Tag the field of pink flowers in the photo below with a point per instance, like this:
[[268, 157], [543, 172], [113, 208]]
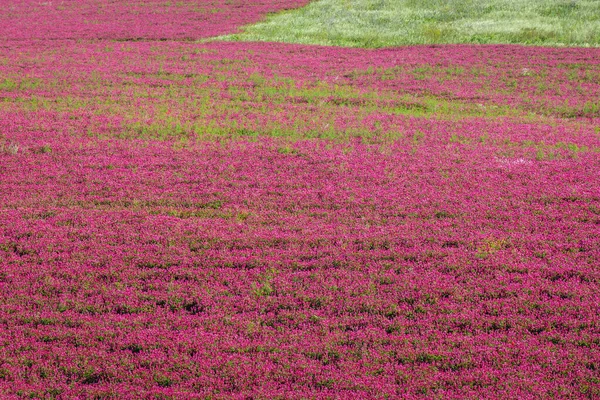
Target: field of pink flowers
[[132, 19], [230, 220]]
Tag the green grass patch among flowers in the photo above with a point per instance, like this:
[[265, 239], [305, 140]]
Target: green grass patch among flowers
[[385, 23]]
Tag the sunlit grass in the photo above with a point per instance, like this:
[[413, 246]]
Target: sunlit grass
[[383, 23]]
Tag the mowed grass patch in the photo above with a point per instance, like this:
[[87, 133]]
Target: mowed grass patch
[[384, 23]]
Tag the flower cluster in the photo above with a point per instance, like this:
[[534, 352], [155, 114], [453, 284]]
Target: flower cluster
[[248, 269]]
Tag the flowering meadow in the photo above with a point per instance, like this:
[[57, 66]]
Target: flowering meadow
[[132, 19], [185, 220]]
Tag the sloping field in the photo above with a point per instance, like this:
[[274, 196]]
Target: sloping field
[[259, 220], [131, 20], [440, 239]]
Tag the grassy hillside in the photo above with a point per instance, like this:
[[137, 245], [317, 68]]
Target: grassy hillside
[[382, 23]]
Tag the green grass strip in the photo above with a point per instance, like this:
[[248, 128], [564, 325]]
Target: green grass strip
[[384, 23]]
